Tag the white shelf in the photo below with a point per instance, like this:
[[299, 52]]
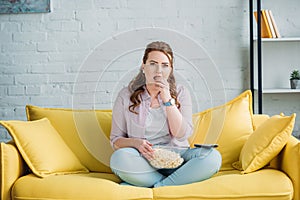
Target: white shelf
[[280, 91], [283, 39]]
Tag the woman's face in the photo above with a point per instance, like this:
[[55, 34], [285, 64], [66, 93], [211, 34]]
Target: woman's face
[[157, 67]]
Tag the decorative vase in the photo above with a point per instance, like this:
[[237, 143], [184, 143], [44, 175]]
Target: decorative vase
[[294, 83]]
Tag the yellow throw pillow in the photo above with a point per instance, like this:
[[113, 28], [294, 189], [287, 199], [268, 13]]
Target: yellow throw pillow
[[42, 148], [86, 132], [259, 119], [266, 142], [228, 125]]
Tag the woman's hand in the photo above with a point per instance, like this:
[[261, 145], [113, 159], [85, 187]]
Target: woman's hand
[[145, 148], [163, 86]]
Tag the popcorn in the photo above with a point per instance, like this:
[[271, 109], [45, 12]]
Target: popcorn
[[163, 158]]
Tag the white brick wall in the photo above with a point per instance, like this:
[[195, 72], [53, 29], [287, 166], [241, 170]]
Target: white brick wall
[[41, 54]]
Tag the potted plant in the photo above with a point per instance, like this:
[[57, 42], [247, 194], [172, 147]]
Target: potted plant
[[294, 78]]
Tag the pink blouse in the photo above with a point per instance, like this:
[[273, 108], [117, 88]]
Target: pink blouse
[[130, 125]]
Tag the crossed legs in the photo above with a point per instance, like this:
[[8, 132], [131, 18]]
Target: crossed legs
[[131, 167]]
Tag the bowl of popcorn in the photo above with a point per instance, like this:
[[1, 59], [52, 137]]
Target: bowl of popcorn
[[165, 157]]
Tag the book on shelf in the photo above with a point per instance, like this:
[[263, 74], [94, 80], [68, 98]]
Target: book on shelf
[[270, 23], [265, 30], [269, 27], [274, 24]]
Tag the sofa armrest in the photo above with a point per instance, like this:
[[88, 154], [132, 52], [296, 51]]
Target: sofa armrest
[[12, 167], [288, 161]]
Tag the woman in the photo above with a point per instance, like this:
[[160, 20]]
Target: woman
[[153, 111]]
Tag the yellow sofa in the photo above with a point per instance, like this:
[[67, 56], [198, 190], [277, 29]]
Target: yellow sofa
[[24, 177]]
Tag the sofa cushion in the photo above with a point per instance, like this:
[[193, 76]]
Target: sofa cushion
[[229, 125], [77, 186], [42, 148], [229, 185], [260, 185], [86, 132], [266, 142]]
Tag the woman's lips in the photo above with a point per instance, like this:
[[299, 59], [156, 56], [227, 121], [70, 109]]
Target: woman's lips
[[157, 78]]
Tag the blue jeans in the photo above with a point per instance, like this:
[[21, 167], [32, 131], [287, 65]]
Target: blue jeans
[[199, 164]]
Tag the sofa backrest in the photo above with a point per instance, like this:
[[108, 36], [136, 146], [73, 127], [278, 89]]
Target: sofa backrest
[[86, 132]]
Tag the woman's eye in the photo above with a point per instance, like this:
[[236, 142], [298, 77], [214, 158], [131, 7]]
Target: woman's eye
[[165, 66]]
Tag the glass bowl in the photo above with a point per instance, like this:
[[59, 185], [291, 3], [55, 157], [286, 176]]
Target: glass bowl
[[166, 157]]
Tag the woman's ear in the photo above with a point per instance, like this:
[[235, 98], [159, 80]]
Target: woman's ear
[[142, 68]]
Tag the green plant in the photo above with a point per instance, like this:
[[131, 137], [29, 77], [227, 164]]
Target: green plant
[[295, 75]]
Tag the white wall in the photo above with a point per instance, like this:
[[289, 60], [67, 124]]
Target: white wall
[[42, 55]]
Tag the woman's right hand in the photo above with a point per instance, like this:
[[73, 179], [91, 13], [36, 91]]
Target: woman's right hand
[[145, 148]]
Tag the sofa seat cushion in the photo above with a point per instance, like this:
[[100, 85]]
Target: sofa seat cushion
[[228, 185], [263, 184], [76, 186]]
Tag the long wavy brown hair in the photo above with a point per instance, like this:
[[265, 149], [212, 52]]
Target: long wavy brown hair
[[136, 85]]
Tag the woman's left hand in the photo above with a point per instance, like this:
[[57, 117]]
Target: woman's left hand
[[163, 86]]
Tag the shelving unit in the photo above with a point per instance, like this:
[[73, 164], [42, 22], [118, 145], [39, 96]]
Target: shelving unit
[[271, 61]]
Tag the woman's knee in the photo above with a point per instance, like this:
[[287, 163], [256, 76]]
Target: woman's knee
[[210, 165], [214, 159], [131, 167], [129, 160], [124, 153], [122, 157]]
